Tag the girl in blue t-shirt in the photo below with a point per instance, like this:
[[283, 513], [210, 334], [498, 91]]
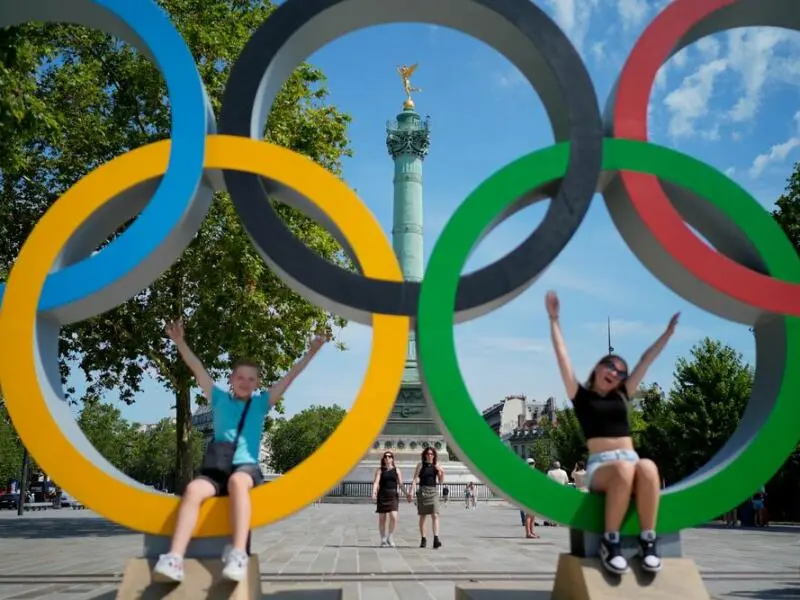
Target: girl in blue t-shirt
[[228, 409]]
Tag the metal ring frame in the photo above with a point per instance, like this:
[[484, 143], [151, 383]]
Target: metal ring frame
[[752, 277]]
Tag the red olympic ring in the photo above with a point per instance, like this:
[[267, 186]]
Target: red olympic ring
[[652, 50]]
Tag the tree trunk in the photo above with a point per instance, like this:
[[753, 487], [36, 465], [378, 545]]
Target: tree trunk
[[183, 428]]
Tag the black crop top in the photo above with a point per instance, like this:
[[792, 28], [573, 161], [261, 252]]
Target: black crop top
[[387, 484], [427, 475], [601, 416]]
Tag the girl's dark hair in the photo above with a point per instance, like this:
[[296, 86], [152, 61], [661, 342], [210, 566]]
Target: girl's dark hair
[[581, 465], [605, 359], [244, 362], [429, 449], [383, 460]]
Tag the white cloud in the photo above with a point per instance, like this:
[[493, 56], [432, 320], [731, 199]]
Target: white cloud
[[778, 152], [709, 47], [632, 12], [690, 101], [509, 78], [598, 51], [574, 17], [749, 53]]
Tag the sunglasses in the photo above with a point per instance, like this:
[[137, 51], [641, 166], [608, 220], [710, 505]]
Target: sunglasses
[[611, 366], [388, 456]]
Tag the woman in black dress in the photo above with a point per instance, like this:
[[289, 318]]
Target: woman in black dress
[[428, 473], [385, 490]]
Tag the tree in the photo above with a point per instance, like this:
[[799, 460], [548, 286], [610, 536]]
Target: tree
[[541, 453], [295, 439], [10, 448], [98, 98], [110, 434], [709, 393], [567, 438], [154, 454], [787, 211], [784, 488], [652, 437]]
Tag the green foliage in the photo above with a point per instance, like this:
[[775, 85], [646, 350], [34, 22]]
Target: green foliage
[[294, 440], [787, 208], [146, 453], [786, 483], [569, 445], [652, 438], [10, 448], [540, 452], [709, 393], [73, 99]]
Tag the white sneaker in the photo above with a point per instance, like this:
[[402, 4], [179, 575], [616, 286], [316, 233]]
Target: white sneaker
[[390, 541], [384, 542], [169, 567], [235, 565]]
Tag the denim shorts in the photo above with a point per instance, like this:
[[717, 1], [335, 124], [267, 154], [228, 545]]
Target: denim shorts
[[601, 458]]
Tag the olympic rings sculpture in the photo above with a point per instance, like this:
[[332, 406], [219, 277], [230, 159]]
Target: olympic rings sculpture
[[753, 277]]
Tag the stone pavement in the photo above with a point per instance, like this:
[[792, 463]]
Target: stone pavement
[[75, 555]]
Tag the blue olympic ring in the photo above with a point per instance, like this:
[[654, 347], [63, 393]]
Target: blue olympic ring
[[112, 271]]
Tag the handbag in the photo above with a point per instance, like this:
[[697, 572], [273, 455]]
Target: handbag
[[219, 455]]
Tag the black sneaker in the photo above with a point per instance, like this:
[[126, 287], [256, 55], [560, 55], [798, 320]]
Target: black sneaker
[[423, 542], [611, 557], [437, 543], [651, 561]]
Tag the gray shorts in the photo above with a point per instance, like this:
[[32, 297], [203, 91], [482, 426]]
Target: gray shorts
[[220, 481], [601, 458]]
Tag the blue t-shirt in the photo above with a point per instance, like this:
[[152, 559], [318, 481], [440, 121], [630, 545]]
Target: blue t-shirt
[[227, 411]]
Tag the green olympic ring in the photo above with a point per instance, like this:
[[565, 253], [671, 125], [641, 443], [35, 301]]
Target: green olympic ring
[[479, 446]]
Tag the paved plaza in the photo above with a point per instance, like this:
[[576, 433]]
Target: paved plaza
[[75, 555]]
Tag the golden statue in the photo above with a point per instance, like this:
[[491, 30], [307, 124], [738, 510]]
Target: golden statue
[[405, 74]]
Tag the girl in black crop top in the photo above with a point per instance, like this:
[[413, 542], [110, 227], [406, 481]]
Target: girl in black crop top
[[614, 468]]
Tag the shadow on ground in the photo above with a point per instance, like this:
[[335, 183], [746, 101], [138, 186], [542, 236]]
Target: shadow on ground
[[59, 528], [320, 594], [792, 590], [770, 529]]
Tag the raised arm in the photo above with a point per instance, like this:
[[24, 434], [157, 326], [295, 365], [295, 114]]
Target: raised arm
[[176, 334], [560, 347], [279, 388], [440, 473], [636, 377]]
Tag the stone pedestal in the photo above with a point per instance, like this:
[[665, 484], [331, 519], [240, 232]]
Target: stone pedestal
[[580, 576], [585, 579], [203, 581]]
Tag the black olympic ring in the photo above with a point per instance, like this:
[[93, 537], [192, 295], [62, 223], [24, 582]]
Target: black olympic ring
[[521, 32]]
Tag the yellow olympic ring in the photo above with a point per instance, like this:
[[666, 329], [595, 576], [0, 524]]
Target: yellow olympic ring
[[121, 500]]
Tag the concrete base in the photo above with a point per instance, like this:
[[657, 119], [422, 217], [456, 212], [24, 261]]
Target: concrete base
[[203, 581], [585, 579]]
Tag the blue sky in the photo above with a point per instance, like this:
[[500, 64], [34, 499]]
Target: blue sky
[[730, 100]]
